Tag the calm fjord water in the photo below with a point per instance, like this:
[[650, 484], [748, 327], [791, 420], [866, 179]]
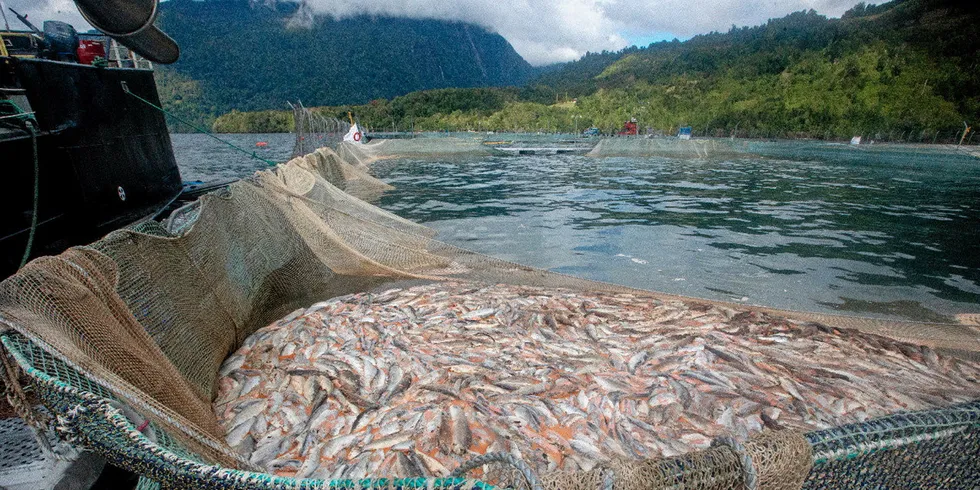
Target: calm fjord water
[[200, 157], [855, 237]]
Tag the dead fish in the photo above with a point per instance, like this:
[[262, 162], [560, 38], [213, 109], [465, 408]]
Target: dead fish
[[586, 448], [250, 383], [409, 466], [769, 416], [409, 382], [238, 434], [266, 449], [479, 314], [285, 464], [433, 465], [445, 390], [397, 383], [387, 442], [333, 446], [311, 463], [231, 364], [445, 436], [462, 438], [791, 389]]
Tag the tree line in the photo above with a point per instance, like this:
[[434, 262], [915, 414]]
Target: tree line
[[906, 70]]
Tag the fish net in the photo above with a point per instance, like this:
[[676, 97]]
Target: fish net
[[802, 150], [666, 147], [314, 130], [123, 340], [422, 146]]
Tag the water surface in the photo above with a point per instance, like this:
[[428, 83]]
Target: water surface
[[869, 237], [200, 157], [832, 231]]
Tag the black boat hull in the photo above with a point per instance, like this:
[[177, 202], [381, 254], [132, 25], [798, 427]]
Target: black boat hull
[[105, 158]]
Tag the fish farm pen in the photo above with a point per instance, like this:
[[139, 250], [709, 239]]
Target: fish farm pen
[[286, 333]]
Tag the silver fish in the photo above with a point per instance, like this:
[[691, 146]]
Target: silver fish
[[411, 382]]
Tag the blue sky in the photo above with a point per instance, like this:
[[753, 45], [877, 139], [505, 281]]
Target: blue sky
[[643, 40]]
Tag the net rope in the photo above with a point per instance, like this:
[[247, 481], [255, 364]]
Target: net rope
[[889, 153]]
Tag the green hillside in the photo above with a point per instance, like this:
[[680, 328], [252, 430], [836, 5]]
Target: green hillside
[[899, 67], [905, 70], [242, 57]]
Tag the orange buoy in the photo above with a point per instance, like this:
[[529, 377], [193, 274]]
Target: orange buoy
[[262, 144]]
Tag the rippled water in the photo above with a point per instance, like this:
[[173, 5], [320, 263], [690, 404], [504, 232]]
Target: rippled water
[[858, 236], [201, 157], [861, 237]]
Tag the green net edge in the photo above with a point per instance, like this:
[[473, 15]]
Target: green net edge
[[87, 418], [90, 420]]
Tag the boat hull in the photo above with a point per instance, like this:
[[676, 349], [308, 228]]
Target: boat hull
[[105, 158]]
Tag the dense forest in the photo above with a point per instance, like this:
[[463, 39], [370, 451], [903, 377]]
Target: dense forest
[[907, 69], [241, 55]]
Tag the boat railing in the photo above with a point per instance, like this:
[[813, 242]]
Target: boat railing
[[18, 44], [25, 45], [122, 57]]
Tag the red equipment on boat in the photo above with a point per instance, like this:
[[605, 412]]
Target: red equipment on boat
[[89, 49]]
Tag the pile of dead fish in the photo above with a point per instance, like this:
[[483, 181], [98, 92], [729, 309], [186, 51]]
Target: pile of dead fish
[[413, 382]]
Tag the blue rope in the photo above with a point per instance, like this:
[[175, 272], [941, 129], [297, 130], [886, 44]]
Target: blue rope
[[37, 181]]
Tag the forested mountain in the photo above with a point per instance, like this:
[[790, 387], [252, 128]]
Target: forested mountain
[[903, 65], [907, 69], [246, 55]]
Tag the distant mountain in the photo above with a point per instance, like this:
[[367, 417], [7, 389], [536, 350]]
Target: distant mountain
[[906, 70], [885, 52], [256, 55]]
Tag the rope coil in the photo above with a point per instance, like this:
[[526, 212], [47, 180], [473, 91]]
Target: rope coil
[[66, 424], [17, 398], [750, 474], [520, 465]]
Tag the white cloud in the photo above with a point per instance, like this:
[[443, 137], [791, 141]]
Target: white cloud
[[685, 18], [38, 11], [544, 31]]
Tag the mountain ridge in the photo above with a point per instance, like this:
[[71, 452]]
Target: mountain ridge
[[326, 62], [906, 70]]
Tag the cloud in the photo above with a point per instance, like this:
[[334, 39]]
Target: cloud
[[38, 11], [686, 18], [548, 31], [544, 31]]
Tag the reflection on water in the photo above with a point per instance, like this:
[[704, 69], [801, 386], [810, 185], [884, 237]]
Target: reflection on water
[[862, 237]]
